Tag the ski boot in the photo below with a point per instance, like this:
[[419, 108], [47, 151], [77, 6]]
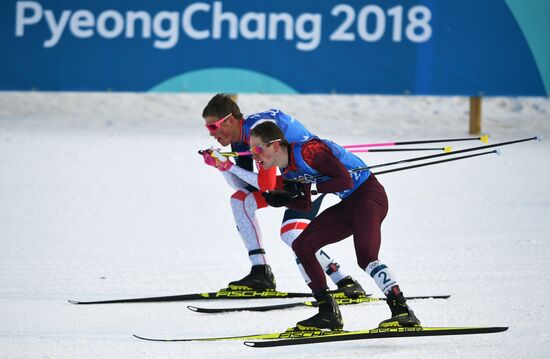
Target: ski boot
[[259, 278], [402, 315], [348, 288], [329, 316]]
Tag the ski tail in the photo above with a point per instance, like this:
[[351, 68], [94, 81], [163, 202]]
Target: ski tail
[[264, 336], [242, 337]]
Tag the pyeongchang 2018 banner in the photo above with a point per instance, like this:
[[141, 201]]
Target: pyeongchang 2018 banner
[[422, 47]]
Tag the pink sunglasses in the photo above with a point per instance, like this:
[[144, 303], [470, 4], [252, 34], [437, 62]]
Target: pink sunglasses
[[256, 150], [214, 126]]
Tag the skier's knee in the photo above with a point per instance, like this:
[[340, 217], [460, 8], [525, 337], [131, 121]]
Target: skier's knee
[[297, 247], [239, 195], [302, 246], [257, 199], [291, 229]]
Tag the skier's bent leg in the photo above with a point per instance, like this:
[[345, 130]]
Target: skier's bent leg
[[244, 205], [294, 222]]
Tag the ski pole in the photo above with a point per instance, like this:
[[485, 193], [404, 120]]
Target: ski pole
[[497, 151], [484, 139], [360, 150], [538, 137]]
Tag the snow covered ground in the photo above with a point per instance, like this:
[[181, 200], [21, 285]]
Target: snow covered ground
[[104, 196]]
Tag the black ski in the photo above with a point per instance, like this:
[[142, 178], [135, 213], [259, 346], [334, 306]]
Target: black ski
[[294, 336], [221, 294], [266, 308], [264, 336], [302, 337]]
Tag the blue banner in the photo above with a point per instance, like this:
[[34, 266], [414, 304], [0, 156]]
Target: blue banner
[[421, 47]]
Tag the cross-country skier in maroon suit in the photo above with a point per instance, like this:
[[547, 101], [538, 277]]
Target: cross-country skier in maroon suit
[[325, 168]]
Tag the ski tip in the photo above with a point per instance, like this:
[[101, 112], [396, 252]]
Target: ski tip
[[74, 301], [192, 308], [250, 344], [140, 337], [484, 139], [448, 149], [503, 329], [538, 138], [150, 339]]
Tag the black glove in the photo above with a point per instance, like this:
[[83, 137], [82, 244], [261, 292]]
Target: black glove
[[295, 189], [277, 198]]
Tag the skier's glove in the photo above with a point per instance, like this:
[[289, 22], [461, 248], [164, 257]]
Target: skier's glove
[[277, 198], [282, 198], [212, 157], [207, 157], [295, 189]]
